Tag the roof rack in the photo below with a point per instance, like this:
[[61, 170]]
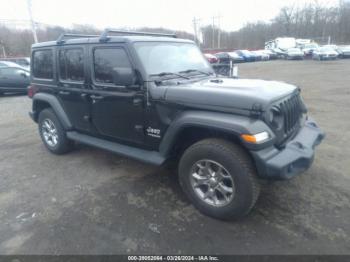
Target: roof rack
[[104, 36], [63, 37]]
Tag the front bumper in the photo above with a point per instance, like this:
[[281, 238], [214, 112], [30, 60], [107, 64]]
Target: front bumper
[[296, 157]]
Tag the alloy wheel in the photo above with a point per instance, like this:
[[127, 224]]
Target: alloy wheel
[[212, 183]]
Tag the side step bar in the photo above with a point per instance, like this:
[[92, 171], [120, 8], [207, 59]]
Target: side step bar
[[151, 157]]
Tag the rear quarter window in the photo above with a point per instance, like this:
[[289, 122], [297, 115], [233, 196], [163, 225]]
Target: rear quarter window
[[43, 64]]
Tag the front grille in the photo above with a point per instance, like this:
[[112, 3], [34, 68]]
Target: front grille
[[291, 109]]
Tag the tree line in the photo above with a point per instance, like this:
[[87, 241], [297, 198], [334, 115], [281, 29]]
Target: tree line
[[312, 21]]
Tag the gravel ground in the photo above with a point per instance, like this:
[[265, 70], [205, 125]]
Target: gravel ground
[[95, 202]]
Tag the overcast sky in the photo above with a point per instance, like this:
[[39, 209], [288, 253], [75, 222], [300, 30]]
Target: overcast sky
[[173, 14]]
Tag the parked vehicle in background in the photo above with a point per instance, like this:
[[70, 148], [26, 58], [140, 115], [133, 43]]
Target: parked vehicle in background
[[211, 58], [309, 48], [226, 57], [325, 53], [301, 42], [294, 54], [247, 55], [14, 79], [236, 57], [272, 54], [344, 51], [279, 52], [10, 64], [282, 43], [261, 55], [223, 66], [21, 61], [225, 133]]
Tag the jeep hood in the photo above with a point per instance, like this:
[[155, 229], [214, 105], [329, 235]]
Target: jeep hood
[[226, 93]]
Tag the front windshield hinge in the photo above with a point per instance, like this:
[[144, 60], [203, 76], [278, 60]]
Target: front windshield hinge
[[147, 94]]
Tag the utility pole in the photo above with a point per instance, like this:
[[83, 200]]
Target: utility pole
[[195, 30], [3, 50], [29, 5], [212, 37], [219, 31]]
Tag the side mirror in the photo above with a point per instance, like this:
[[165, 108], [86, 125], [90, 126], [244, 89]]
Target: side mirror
[[124, 76]]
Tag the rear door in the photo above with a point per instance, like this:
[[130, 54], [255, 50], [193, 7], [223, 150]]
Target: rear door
[[72, 85], [117, 111]]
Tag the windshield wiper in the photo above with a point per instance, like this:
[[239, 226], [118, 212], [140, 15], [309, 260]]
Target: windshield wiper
[[170, 73], [195, 70]]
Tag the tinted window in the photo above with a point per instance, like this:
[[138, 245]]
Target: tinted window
[[43, 64], [106, 61], [71, 64]]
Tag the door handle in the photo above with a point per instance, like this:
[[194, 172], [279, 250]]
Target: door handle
[[137, 101], [96, 97], [64, 93]]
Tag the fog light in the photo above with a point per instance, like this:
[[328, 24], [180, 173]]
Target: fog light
[[257, 138]]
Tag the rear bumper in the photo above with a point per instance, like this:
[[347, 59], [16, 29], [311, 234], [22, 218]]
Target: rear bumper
[[296, 157]]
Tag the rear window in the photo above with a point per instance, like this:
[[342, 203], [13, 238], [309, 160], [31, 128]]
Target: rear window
[[43, 64], [71, 64]]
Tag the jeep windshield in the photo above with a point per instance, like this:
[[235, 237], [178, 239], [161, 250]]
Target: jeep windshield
[[172, 59]]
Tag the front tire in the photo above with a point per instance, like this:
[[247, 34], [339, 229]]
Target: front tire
[[219, 178], [52, 133]]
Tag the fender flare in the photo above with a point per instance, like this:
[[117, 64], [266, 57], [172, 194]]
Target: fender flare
[[56, 107], [228, 123]]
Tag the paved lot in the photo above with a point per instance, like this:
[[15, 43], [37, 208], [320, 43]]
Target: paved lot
[[95, 202]]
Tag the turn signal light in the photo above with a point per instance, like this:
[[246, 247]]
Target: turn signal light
[[257, 138]]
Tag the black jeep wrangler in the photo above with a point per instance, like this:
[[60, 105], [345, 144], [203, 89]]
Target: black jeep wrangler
[[153, 97]]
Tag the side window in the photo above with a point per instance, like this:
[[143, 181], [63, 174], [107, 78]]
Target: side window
[[108, 62], [13, 72], [9, 71], [43, 64], [71, 64]]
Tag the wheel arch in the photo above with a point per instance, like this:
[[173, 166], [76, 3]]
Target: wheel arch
[[193, 126], [42, 101]]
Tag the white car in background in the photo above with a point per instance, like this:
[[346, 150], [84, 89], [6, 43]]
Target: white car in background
[[294, 54], [325, 53], [308, 49]]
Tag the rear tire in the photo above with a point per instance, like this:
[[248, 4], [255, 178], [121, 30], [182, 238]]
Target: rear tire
[[228, 188], [52, 133]]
